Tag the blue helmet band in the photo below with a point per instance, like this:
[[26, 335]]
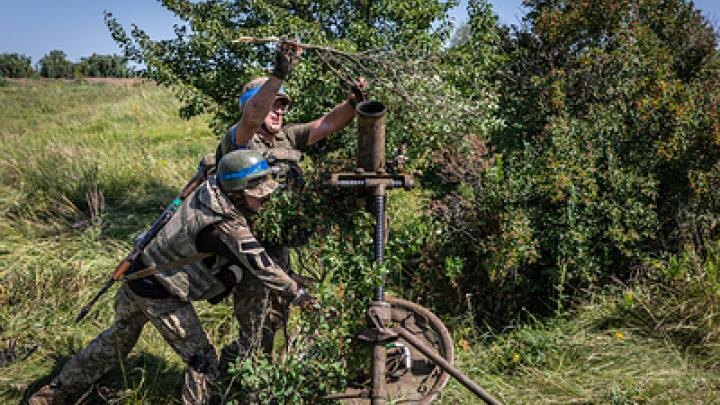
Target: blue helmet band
[[250, 93], [246, 172]]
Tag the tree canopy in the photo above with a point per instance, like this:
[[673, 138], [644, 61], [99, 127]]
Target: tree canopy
[[15, 65], [55, 65], [97, 65]]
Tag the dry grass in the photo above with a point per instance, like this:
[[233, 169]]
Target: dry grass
[[623, 346]]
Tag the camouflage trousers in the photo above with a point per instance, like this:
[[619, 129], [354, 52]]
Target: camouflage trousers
[[178, 324], [260, 312]]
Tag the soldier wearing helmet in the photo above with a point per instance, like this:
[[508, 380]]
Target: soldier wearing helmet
[[202, 253], [263, 104]]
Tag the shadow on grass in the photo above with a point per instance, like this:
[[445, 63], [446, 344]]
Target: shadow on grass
[[60, 360], [142, 377], [123, 218]]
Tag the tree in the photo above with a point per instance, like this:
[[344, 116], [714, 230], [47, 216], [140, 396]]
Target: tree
[[103, 66], [398, 45], [15, 65], [610, 154], [211, 69], [474, 59], [55, 65]]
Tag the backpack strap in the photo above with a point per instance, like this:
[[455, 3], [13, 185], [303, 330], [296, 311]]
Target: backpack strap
[[149, 271]]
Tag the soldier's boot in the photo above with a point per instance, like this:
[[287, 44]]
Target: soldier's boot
[[49, 395], [201, 372]]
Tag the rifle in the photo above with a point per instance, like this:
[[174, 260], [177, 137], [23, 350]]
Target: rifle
[[146, 237]]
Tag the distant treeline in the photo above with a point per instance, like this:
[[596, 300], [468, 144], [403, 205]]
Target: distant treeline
[[56, 65]]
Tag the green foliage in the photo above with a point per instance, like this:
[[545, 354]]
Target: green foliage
[[408, 70], [55, 65], [15, 65], [605, 161], [299, 379], [474, 60], [212, 70], [320, 358], [103, 66]]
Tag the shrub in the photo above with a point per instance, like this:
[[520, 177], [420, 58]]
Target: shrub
[[103, 66], [55, 65], [15, 65], [606, 160]]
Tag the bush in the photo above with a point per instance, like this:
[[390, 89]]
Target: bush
[[103, 66], [55, 65], [15, 65], [606, 161]]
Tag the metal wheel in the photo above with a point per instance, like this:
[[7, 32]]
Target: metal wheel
[[414, 378], [411, 377]]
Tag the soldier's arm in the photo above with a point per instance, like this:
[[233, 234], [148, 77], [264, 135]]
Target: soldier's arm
[[337, 119], [287, 56], [332, 122], [246, 251], [256, 109]]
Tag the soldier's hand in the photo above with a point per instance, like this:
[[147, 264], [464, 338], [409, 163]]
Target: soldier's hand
[[310, 304], [305, 301], [358, 92], [287, 56]]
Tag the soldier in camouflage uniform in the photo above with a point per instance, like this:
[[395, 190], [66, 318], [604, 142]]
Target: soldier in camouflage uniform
[[263, 104], [205, 250]]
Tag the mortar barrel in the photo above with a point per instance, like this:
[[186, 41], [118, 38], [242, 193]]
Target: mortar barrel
[[371, 135]]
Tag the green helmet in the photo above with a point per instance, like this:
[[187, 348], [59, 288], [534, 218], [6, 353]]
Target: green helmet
[[245, 170]]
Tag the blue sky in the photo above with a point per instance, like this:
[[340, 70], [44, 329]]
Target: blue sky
[[35, 27]]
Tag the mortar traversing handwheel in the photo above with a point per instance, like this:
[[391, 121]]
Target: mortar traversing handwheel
[[410, 376]]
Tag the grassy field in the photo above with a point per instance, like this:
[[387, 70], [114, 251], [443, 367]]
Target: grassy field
[[607, 351], [61, 141]]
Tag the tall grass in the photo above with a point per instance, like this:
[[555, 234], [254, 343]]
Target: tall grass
[[656, 341], [58, 142]]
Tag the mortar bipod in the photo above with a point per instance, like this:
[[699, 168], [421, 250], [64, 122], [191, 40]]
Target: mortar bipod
[[398, 328]]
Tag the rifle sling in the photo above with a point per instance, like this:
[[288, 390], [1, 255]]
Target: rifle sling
[[149, 271]]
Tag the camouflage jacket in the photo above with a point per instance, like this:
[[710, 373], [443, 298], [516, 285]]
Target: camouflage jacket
[[208, 206], [284, 152]]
